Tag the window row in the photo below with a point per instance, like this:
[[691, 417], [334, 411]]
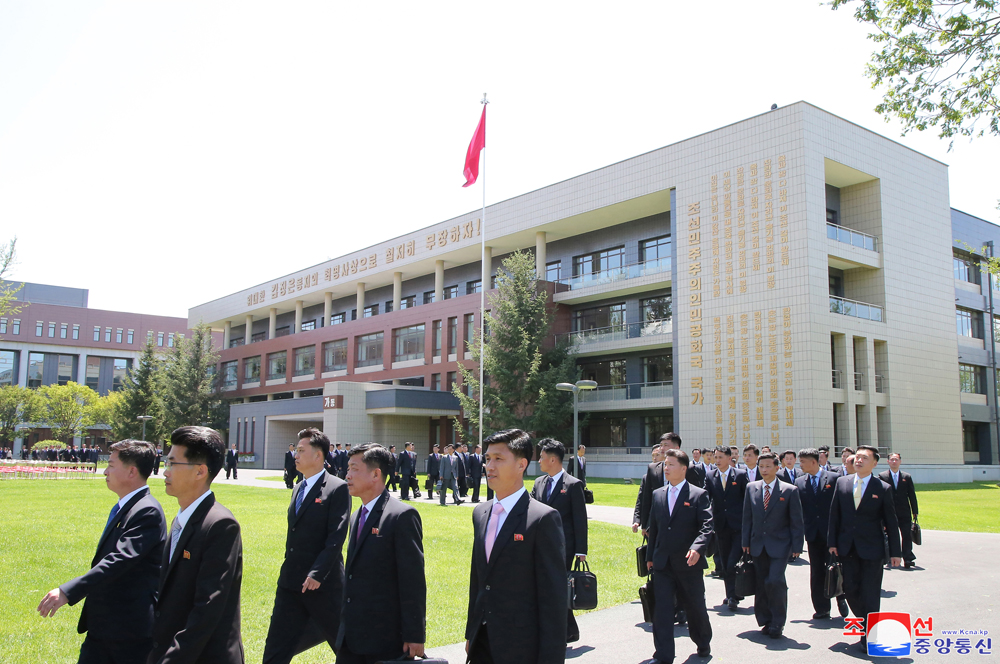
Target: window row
[[72, 331], [55, 368], [613, 315], [612, 258]]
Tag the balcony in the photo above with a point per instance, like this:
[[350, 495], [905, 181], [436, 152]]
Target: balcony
[[848, 249], [855, 309], [623, 280], [853, 238], [859, 381], [838, 382], [627, 397], [631, 336]]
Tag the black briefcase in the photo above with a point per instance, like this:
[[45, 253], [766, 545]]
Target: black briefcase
[[640, 558], [648, 601], [588, 496], [428, 484], [582, 584], [915, 532], [833, 578], [746, 576]]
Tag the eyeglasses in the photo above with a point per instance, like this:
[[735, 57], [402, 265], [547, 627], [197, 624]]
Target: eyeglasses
[[167, 463]]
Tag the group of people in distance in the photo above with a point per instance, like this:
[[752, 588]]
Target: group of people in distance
[[690, 510]]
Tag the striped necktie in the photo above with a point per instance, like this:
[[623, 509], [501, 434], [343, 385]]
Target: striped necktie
[[767, 496]]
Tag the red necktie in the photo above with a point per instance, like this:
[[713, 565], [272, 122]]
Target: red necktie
[[767, 495]]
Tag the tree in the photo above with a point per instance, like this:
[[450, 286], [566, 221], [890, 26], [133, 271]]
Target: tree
[[141, 394], [192, 394], [940, 61], [18, 406], [521, 373], [8, 290], [68, 410]]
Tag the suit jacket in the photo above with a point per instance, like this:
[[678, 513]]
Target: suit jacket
[[330, 464], [816, 505], [727, 503], [904, 495], [777, 530], [197, 612], [385, 596], [636, 513], [459, 466], [315, 537], [786, 477], [406, 465], [521, 592], [690, 526], [124, 573], [290, 462], [654, 480], [579, 467], [863, 527], [232, 458], [567, 499], [476, 467], [433, 465], [448, 467]]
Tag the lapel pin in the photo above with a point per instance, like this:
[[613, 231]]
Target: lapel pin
[[734, 483], [563, 491], [874, 495], [827, 486], [687, 504], [374, 531], [781, 499], [187, 554], [518, 537], [319, 501]]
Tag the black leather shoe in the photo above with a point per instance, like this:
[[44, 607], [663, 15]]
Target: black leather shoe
[[704, 651], [775, 632], [733, 603], [765, 629], [821, 616], [909, 563], [842, 607], [680, 617]]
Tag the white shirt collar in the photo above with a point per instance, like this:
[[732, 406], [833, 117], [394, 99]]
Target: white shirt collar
[[128, 496], [511, 500], [679, 486], [185, 514], [895, 475], [555, 478], [310, 481], [724, 474], [864, 482], [370, 506], [772, 485]]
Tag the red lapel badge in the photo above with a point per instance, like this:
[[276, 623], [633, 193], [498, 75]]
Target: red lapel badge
[[319, 501], [827, 486], [781, 499], [374, 531], [734, 483], [518, 537], [686, 504], [562, 491], [874, 495], [187, 554]]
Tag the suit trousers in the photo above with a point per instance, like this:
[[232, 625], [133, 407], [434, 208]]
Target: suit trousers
[[231, 469], [433, 480], [862, 583], [405, 482], [689, 585], [475, 488], [443, 490], [301, 621], [729, 541], [114, 651], [463, 486], [818, 551], [770, 604], [479, 650], [906, 536]]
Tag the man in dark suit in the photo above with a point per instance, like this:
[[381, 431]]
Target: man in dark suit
[[654, 476], [680, 528], [787, 472], [476, 472], [156, 460], [433, 471], [862, 510], [461, 467], [824, 459], [310, 590], [393, 478], [291, 474], [727, 488], [657, 456], [905, 501], [750, 456], [563, 493], [232, 461], [120, 587], [816, 487], [847, 462], [772, 533], [579, 465], [385, 599], [517, 585], [197, 611], [449, 475], [406, 466]]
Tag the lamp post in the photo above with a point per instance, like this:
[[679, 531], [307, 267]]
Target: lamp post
[[575, 389], [144, 419]]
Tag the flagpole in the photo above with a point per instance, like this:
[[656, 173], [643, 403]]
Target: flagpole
[[482, 294]]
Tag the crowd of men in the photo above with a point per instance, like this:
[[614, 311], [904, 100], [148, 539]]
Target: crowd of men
[[68, 454]]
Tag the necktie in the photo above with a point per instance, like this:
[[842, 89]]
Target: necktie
[[491, 529], [552, 485], [361, 522], [725, 481], [767, 496], [175, 535], [815, 483], [672, 500], [895, 482], [111, 517], [859, 490], [301, 496]]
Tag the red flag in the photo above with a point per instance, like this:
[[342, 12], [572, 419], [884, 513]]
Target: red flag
[[472, 156]]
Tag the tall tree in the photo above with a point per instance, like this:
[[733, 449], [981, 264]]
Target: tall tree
[[68, 410], [192, 395], [939, 60], [18, 406], [142, 393], [8, 289], [521, 367]]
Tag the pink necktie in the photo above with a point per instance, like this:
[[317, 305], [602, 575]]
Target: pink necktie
[[673, 500], [491, 529]]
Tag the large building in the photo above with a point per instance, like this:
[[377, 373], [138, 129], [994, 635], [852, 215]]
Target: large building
[[786, 280]]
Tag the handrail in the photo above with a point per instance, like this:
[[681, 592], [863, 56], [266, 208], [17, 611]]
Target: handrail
[[618, 332], [610, 275], [628, 391], [852, 237], [863, 310], [837, 384]]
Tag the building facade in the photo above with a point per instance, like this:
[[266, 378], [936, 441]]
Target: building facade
[[756, 283]]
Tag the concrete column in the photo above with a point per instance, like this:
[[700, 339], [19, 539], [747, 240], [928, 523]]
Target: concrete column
[[395, 381], [227, 331], [270, 397], [81, 369], [22, 369], [327, 308], [540, 254], [272, 325], [249, 330], [296, 394], [361, 300], [438, 281], [487, 267], [397, 290], [298, 316]]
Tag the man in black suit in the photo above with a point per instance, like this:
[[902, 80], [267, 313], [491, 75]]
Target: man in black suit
[[291, 474], [816, 487], [517, 585], [461, 468], [406, 466], [772, 533], [433, 470], [847, 461], [450, 464], [824, 458], [905, 501], [197, 611], [232, 461], [336, 453], [393, 479], [563, 493], [120, 587], [385, 599], [727, 488], [657, 456], [787, 472], [475, 472], [156, 460], [654, 476], [308, 599], [579, 465], [680, 528], [862, 510], [750, 456]]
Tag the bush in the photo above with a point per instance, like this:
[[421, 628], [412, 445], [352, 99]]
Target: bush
[[50, 443]]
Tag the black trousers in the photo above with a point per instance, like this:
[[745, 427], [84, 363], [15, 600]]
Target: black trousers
[[729, 554], [430, 486], [300, 621], [689, 584], [862, 583], [393, 478], [489, 491], [114, 651], [479, 649], [906, 536], [476, 482], [818, 551], [463, 486], [231, 469], [348, 656], [770, 604], [404, 482]]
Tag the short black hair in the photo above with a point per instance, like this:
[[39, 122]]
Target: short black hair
[[317, 439], [392, 447], [374, 456], [825, 448], [291, 444], [787, 452], [516, 440], [680, 455], [724, 450], [552, 446], [810, 453], [768, 455], [752, 448], [847, 450], [897, 454], [136, 453], [671, 437], [407, 444], [201, 445], [873, 450], [705, 450]]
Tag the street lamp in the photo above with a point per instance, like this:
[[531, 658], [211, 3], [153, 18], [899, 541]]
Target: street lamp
[[575, 389], [144, 419]]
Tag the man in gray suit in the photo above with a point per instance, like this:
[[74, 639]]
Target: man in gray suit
[[772, 528], [449, 476]]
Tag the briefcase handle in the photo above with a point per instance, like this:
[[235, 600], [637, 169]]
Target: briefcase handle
[[580, 565]]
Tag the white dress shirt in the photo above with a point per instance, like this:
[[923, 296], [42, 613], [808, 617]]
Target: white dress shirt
[[310, 481], [508, 504], [895, 479], [553, 480], [128, 496], [677, 493], [184, 516], [864, 483], [752, 474], [771, 486]]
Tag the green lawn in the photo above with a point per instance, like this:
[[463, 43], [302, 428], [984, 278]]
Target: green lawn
[[52, 537]]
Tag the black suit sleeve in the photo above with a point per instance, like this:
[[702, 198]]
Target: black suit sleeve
[[338, 517], [891, 523], [409, 540], [652, 528], [550, 580], [647, 497], [797, 523], [747, 519], [707, 529], [911, 495], [144, 531], [833, 526], [473, 583], [579, 518], [637, 513]]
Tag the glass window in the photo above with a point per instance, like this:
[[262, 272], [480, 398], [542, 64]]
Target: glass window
[[436, 337], [452, 378], [436, 382], [97, 333], [251, 369], [429, 297], [63, 331], [39, 326], [52, 330], [159, 338], [654, 426], [470, 330], [371, 310], [337, 319], [408, 302], [16, 327], [609, 315], [970, 437], [335, 355], [8, 367], [131, 336], [234, 343], [655, 308], [553, 271], [76, 332], [473, 286], [258, 336], [658, 369], [309, 325], [450, 292], [409, 343], [107, 335], [832, 217], [305, 361], [118, 377], [970, 379], [654, 249], [36, 365], [598, 261], [170, 340], [3, 326], [229, 370], [93, 377], [65, 369], [604, 432], [605, 372], [118, 335], [453, 335], [276, 365], [966, 269], [388, 306], [283, 331], [969, 323], [369, 350]]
